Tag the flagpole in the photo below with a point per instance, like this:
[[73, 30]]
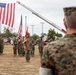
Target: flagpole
[[25, 23], [22, 23], [43, 18]]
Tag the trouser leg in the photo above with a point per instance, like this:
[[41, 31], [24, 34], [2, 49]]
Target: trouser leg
[[1, 49], [20, 51], [23, 52], [33, 51], [41, 51], [15, 51], [27, 55]]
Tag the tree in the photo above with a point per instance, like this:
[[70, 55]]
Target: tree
[[35, 36], [58, 35], [7, 33], [43, 34], [52, 35]]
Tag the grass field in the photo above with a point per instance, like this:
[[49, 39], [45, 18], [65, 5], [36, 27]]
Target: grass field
[[10, 65]]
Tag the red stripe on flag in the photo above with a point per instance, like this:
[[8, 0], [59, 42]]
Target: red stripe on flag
[[13, 15], [0, 13], [3, 16], [7, 14], [26, 35], [10, 14]]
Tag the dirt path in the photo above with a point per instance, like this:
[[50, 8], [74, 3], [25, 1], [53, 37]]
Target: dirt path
[[10, 65]]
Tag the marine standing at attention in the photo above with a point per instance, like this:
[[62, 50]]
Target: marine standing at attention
[[59, 57]]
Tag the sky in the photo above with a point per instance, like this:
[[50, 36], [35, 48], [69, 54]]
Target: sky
[[50, 9]]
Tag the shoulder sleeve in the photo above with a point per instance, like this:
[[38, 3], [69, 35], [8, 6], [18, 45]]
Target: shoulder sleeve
[[47, 61]]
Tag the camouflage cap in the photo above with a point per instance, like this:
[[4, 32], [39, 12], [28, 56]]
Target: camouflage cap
[[68, 10], [70, 16]]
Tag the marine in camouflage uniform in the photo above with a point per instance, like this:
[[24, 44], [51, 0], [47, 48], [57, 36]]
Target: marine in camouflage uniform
[[1, 45], [32, 47], [59, 57], [40, 45], [28, 49], [15, 42], [20, 46]]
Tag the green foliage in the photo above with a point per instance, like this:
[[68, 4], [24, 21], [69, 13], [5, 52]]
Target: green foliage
[[35, 36], [58, 35], [43, 34], [53, 35], [7, 33]]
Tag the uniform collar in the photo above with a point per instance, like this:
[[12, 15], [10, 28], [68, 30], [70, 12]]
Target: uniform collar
[[70, 35]]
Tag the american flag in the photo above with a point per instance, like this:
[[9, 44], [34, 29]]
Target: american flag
[[20, 28], [7, 13]]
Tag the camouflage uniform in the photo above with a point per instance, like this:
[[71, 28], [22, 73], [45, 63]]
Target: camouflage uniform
[[60, 56], [28, 50], [1, 45], [32, 47], [40, 46], [15, 41], [20, 46]]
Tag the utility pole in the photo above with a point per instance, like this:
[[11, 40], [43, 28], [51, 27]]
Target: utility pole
[[32, 29], [25, 23], [42, 26]]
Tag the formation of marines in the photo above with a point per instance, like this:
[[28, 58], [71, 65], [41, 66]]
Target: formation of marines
[[26, 47]]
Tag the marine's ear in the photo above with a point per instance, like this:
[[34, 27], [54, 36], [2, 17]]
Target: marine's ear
[[65, 24]]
